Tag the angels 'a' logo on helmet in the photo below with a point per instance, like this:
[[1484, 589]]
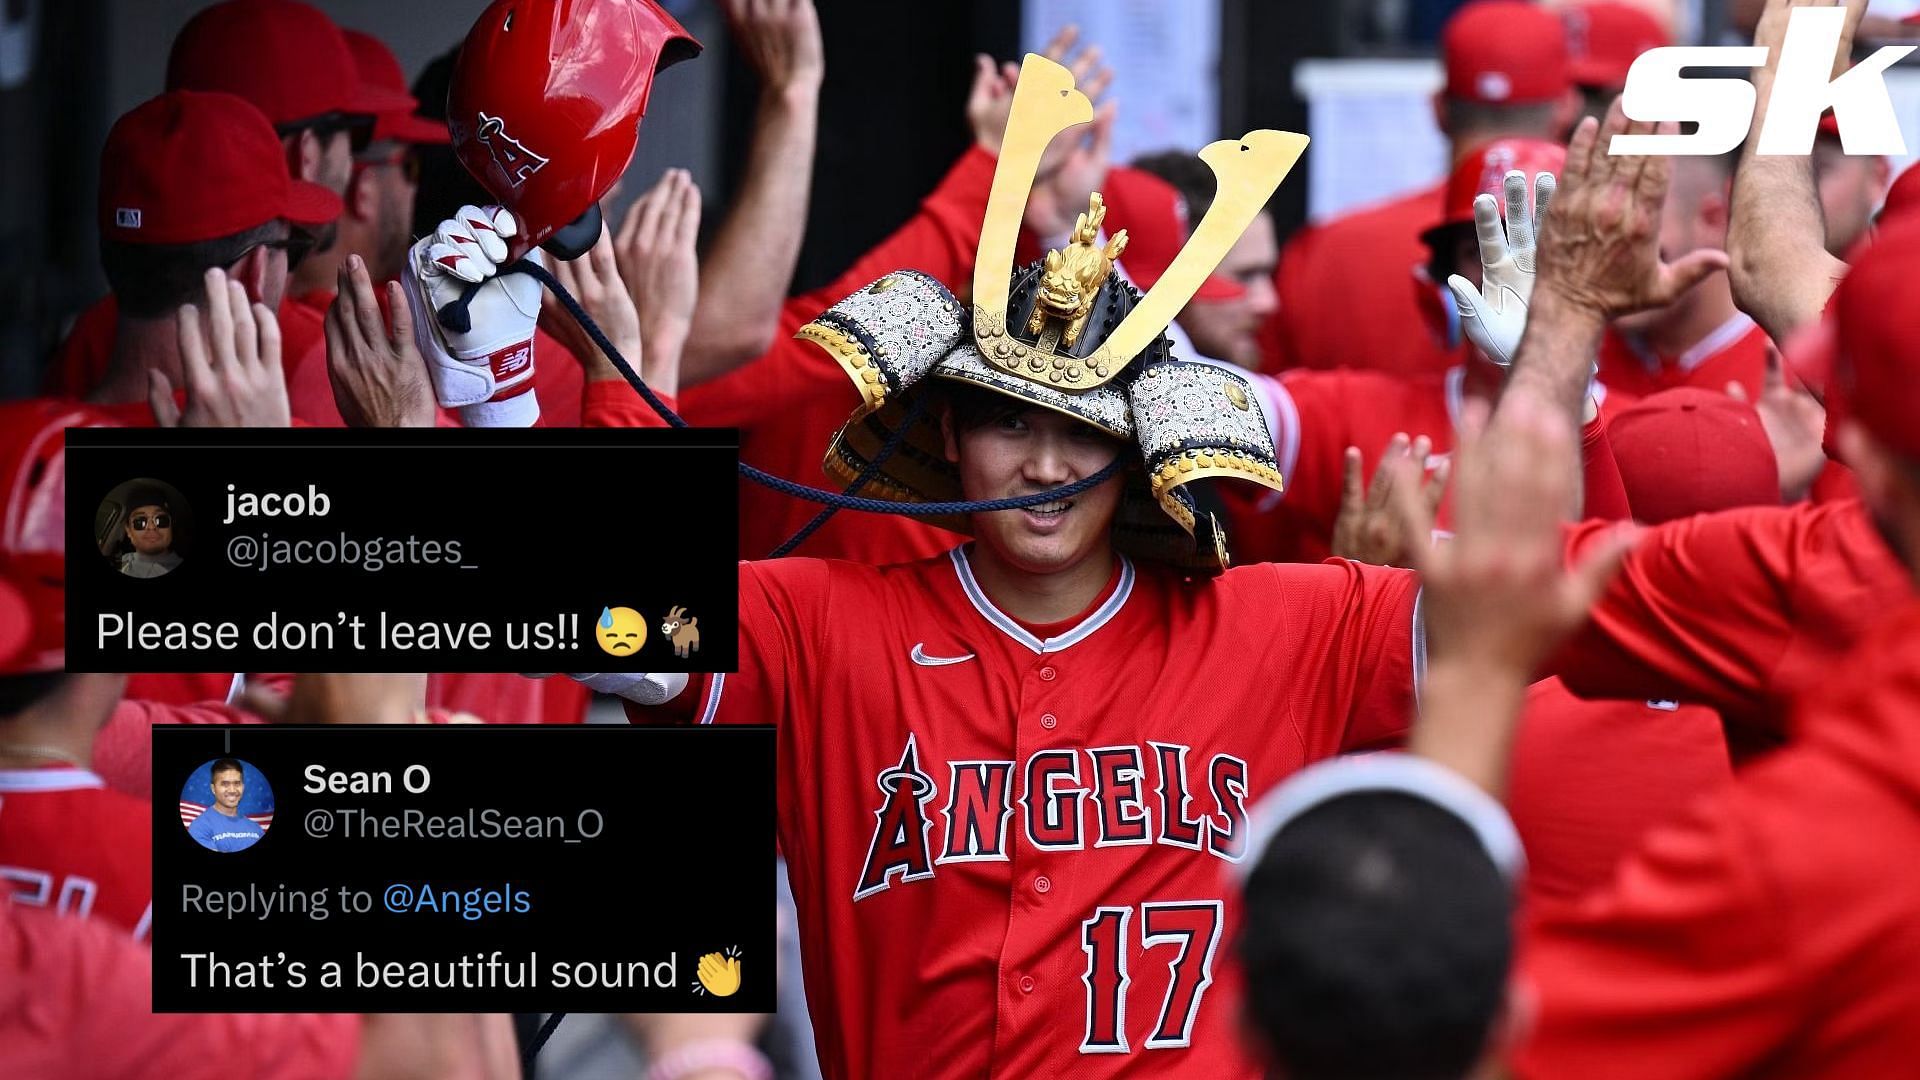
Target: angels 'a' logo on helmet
[[510, 155]]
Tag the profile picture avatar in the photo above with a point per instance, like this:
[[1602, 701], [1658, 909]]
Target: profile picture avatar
[[226, 805], [143, 528]]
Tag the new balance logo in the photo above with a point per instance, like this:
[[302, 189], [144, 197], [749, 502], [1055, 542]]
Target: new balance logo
[[919, 656]]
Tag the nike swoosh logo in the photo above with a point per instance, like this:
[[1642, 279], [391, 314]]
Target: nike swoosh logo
[[920, 657]]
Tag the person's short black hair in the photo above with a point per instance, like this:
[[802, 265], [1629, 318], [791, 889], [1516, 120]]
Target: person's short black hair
[[976, 407], [151, 280], [226, 764], [1190, 176], [1376, 942], [19, 692]]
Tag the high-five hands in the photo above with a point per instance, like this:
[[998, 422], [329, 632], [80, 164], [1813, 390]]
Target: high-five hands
[[1495, 315]]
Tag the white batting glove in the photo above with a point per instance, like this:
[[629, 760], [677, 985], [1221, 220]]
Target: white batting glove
[[1495, 316], [487, 371]]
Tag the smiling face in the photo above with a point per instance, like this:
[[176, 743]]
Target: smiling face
[[621, 631], [150, 529], [228, 785], [1025, 451]]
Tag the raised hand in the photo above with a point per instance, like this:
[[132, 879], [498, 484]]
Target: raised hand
[[594, 279], [1495, 315], [656, 252], [1370, 528], [781, 39], [1601, 250], [230, 362], [379, 378]]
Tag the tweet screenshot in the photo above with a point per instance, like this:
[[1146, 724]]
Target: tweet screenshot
[[400, 550], [494, 868]]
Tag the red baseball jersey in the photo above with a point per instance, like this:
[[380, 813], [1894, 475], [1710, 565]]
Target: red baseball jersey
[[1737, 610], [1734, 353], [1353, 293], [76, 1000], [1008, 844], [70, 845], [1590, 778], [1318, 414], [1774, 931], [789, 403]]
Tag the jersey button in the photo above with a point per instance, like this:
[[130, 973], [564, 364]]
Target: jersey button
[[1047, 673], [1042, 884], [1048, 721], [1026, 984]]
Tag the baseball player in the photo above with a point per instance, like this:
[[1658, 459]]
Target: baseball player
[[192, 183], [790, 401], [1506, 77], [287, 60], [1767, 932], [1013, 772]]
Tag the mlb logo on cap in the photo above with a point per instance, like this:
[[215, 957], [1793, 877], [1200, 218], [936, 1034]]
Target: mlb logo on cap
[[126, 218]]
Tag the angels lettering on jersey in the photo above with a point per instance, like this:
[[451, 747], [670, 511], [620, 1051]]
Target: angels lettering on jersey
[[1055, 800]]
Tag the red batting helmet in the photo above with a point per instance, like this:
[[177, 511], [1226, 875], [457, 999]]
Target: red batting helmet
[[1484, 172], [546, 102], [33, 540]]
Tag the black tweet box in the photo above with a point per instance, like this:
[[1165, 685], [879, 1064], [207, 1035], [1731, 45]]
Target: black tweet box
[[634, 853], [445, 549]]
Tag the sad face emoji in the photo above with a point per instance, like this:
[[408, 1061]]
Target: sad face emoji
[[621, 631]]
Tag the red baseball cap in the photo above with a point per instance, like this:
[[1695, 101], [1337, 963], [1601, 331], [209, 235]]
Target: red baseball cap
[[190, 166], [1505, 52], [1484, 172], [33, 530], [1876, 377], [1903, 196], [379, 68], [1155, 217], [285, 57], [1605, 37], [1692, 451]]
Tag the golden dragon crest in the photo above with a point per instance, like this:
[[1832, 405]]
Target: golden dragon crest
[[1074, 274]]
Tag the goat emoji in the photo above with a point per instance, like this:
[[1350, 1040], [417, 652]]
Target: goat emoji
[[684, 632]]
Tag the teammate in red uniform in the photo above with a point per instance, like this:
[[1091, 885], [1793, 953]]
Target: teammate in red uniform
[[1036, 772], [1767, 933], [191, 182], [289, 61], [1506, 65], [1333, 427]]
